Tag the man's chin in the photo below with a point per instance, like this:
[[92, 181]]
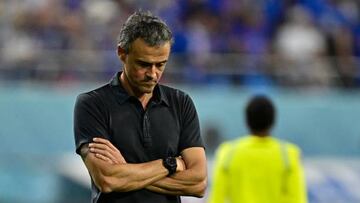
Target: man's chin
[[147, 90]]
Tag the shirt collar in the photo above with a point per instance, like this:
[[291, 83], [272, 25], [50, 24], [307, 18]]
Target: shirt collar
[[158, 94]]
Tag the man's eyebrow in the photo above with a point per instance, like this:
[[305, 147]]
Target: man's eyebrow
[[142, 62], [149, 63], [164, 61]]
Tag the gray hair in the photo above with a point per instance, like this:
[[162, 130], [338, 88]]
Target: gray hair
[[146, 26]]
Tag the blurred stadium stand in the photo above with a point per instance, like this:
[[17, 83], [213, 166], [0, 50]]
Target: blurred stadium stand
[[276, 42], [302, 53]]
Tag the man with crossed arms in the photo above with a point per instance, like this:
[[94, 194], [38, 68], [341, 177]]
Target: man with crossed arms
[[140, 140]]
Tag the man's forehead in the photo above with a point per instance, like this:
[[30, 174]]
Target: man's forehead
[[145, 52], [141, 43]]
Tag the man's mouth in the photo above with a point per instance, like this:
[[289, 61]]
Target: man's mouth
[[150, 82]]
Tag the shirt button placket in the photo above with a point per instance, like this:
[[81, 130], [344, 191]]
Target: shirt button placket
[[146, 131]]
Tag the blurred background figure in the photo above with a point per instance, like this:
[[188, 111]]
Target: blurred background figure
[[300, 46], [304, 54], [258, 167]]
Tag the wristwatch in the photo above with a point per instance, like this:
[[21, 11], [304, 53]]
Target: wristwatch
[[170, 164]]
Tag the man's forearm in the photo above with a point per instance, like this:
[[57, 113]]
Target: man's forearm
[[109, 177], [111, 172], [117, 175], [128, 177], [189, 182], [196, 190]]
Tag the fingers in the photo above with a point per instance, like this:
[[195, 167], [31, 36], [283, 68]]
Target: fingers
[[106, 149], [180, 164], [104, 158], [106, 142], [101, 146], [104, 154]]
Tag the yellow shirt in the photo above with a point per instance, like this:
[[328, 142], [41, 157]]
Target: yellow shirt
[[258, 170]]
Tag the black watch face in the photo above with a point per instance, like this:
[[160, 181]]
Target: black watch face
[[171, 164], [172, 161]]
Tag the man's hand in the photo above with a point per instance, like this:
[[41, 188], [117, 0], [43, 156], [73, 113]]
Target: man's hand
[[103, 149], [180, 164]]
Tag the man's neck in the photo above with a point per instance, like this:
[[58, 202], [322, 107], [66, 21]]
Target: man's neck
[[264, 133], [142, 97]]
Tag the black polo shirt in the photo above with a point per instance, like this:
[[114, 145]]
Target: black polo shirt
[[168, 125]]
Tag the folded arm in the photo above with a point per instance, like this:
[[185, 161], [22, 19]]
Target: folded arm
[[190, 178], [192, 181], [110, 172]]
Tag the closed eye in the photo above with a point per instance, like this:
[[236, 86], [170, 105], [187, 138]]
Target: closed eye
[[145, 64], [160, 65]]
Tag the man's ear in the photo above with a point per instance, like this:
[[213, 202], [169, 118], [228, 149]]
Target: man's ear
[[122, 54]]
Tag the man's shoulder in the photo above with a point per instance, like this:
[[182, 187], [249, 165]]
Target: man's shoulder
[[291, 147], [94, 94], [294, 148], [228, 145]]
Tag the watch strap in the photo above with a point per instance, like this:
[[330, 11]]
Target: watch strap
[[170, 164]]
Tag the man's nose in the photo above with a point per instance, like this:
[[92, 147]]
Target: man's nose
[[152, 71]]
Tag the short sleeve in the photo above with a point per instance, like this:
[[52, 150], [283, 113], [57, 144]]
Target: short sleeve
[[190, 128], [89, 120], [219, 184], [296, 184]]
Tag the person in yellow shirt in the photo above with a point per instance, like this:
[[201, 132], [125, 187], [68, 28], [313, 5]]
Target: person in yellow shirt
[[258, 168]]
